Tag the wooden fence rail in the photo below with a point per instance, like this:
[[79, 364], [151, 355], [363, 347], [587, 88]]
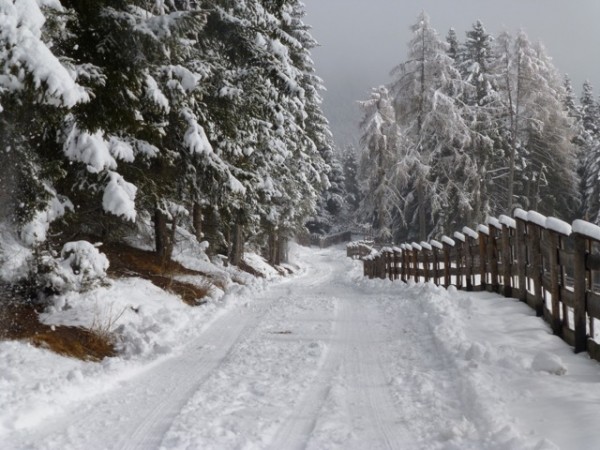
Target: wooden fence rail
[[543, 261]]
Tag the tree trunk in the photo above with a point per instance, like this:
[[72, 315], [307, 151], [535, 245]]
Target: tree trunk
[[197, 218], [211, 230], [237, 245], [422, 219], [282, 249], [161, 235], [273, 248]]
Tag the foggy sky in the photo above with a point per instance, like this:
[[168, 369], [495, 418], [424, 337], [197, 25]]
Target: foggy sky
[[362, 40]]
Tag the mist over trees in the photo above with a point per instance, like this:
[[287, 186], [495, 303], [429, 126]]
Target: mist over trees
[[478, 127]]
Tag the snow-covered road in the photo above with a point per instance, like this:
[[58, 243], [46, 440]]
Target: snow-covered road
[[329, 360]]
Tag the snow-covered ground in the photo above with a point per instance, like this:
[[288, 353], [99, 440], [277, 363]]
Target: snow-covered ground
[[325, 359]]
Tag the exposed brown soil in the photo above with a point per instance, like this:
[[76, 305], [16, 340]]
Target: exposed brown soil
[[19, 321], [131, 262]]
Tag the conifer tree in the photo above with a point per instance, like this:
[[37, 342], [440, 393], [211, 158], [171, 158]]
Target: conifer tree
[[589, 142], [482, 113], [426, 90], [380, 141]]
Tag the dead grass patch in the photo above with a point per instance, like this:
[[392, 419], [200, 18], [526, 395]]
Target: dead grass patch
[[19, 321], [127, 261]]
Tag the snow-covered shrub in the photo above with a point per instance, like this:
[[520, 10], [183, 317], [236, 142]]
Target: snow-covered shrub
[[80, 267]]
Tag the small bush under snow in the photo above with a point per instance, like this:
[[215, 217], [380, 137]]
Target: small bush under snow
[[80, 267]]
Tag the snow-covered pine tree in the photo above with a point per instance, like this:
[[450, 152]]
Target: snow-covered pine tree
[[553, 155], [579, 140], [589, 155], [37, 90], [381, 140], [541, 155], [136, 127], [482, 113], [426, 90], [455, 49], [350, 167]]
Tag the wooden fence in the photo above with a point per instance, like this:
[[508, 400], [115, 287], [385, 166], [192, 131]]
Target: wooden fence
[[540, 260], [359, 249]]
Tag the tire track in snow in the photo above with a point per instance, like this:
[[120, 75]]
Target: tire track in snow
[[349, 402], [297, 429], [137, 414], [367, 370]]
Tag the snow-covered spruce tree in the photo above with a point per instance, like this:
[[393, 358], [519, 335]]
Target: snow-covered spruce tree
[[455, 49], [353, 197], [552, 153], [288, 165], [426, 92], [579, 139], [588, 142], [482, 109], [313, 156], [145, 112], [541, 157], [37, 90], [380, 150], [331, 205]]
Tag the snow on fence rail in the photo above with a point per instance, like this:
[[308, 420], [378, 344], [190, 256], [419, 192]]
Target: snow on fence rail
[[540, 260], [359, 249]]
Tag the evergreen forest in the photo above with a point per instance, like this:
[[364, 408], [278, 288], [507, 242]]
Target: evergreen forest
[[475, 127]]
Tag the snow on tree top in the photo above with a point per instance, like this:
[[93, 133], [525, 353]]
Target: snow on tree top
[[559, 226], [587, 229], [458, 235], [470, 232], [537, 218], [508, 221], [448, 241]]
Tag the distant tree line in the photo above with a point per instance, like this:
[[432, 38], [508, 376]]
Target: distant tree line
[[475, 128], [200, 115]]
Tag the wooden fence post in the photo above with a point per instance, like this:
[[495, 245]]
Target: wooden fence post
[[461, 258], [493, 254], [448, 244], [471, 237], [381, 265], [367, 266], [426, 251], [404, 268], [389, 263], [521, 244], [556, 229], [508, 224], [484, 232], [397, 256], [538, 225], [579, 286], [436, 247], [416, 249]]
